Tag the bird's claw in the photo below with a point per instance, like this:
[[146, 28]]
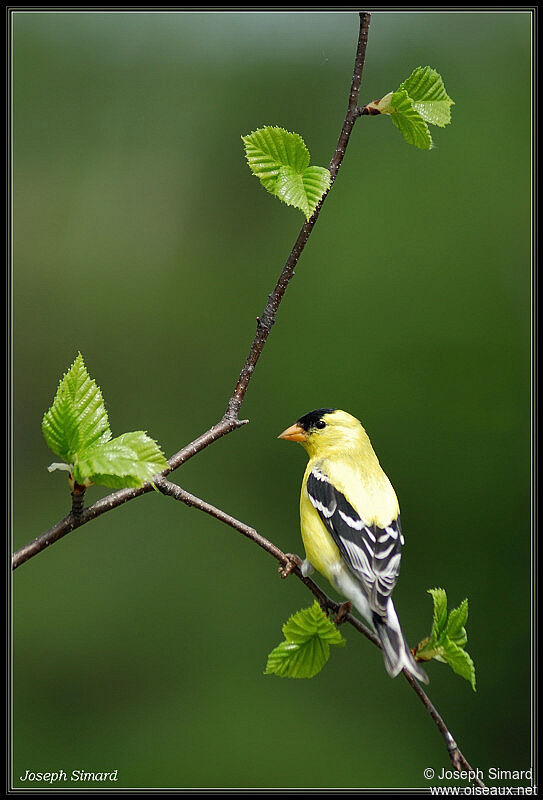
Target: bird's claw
[[343, 610], [292, 562]]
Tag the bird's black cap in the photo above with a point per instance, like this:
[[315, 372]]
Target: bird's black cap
[[309, 420]]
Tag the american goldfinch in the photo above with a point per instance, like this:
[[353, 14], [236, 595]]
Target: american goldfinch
[[350, 522]]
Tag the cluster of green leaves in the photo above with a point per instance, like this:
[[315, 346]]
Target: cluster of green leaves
[[448, 637], [309, 634], [76, 428], [419, 100], [280, 160], [306, 649]]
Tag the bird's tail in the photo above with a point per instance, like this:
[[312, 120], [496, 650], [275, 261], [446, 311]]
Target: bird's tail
[[395, 650]]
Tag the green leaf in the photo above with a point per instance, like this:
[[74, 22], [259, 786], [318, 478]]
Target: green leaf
[[293, 660], [280, 160], [448, 637], [439, 597], [455, 630], [459, 661], [310, 622], [419, 100], [127, 461], [270, 148], [78, 418], [426, 89], [76, 428], [308, 634], [409, 122]]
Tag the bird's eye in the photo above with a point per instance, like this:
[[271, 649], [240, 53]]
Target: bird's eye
[[320, 424]]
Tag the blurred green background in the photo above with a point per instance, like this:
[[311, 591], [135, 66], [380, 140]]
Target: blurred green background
[[142, 239]]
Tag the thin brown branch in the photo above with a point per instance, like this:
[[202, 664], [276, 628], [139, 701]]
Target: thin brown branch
[[458, 760], [78, 499], [230, 421], [456, 756]]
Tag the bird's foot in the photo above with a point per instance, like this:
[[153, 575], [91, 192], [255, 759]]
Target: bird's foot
[[290, 565], [343, 610]]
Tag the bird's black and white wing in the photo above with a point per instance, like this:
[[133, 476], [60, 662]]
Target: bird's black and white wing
[[372, 553]]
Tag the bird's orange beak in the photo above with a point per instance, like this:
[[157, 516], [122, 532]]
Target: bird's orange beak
[[294, 434]]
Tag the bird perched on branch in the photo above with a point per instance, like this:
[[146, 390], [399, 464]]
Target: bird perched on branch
[[350, 522]]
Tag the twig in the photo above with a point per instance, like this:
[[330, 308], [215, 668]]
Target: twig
[[458, 760], [78, 499], [456, 756], [230, 421]]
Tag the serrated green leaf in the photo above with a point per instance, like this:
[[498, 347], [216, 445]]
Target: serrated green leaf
[[129, 460], [280, 160], [455, 629], [459, 661], [439, 596], [310, 622], [419, 100], [78, 418], [270, 148], [298, 659], [309, 634], [426, 89], [299, 627], [409, 122], [448, 637], [302, 190]]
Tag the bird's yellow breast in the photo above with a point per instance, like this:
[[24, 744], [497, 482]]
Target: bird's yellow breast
[[369, 492], [364, 485], [320, 549]]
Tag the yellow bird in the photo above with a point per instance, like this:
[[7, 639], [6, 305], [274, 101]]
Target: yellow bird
[[350, 522]]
